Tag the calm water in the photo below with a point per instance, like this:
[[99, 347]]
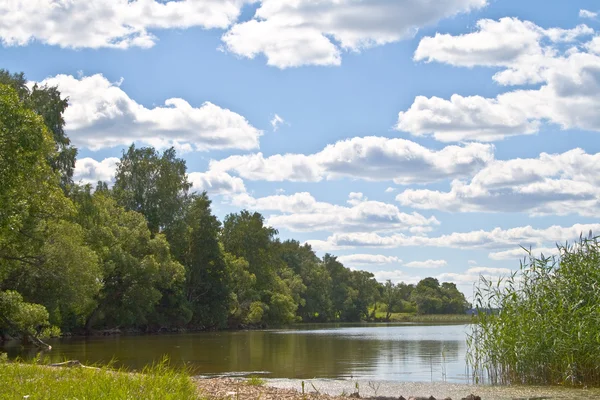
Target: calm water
[[376, 352]]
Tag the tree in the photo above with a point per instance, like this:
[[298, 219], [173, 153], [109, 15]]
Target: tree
[[41, 255], [195, 244], [47, 102], [137, 268], [279, 288], [18, 317], [431, 298], [153, 185]]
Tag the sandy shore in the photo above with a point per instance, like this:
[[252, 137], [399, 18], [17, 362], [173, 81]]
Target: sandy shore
[[316, 389]]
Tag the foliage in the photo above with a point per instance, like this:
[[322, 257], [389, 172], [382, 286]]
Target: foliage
[[154, 185], [47, 102], [19, 317], [547, 328], [135, 265], [195, 244], [433, 298]]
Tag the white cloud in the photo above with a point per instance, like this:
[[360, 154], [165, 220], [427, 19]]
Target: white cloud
[[519, 253], [429, 264], [509, 43], [293, 33], [90, 171], [588, 14], [472, 262], [467, 118], [114, 24], [368, 259], [276, 122], [101, 115], [396, 276], [567, 183], [370, 158], [216, 183], [390, 190], [496, 239], [301, 212], [569, 79]]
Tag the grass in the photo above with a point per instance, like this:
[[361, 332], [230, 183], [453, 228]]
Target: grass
[[547, 330], [429, 318], [255, 381], [39, 382]]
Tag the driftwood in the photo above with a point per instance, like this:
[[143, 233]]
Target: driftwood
[[71, 364]]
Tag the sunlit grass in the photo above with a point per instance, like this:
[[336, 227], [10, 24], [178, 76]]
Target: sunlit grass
[[33, 382], [548, 328], [428, 318], [255, 381]]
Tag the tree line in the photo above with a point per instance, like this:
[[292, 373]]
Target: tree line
[[147, 253]]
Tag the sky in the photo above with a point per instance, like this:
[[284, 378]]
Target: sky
[[410, 138]]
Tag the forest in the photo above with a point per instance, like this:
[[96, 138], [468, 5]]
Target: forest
[[146, 253]]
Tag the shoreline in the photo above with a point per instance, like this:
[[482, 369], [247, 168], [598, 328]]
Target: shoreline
[[72, 378], [322, 389], [430, 319]]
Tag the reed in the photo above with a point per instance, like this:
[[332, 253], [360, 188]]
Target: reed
[[546, 327]]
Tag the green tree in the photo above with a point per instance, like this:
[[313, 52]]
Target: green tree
[[136, 267], [47, 102], [152, 184], [18, 317], [41, 254], [195, 244], [279, 288]]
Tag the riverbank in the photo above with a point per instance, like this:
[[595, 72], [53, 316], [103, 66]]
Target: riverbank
[[31, 381], [41, 382]]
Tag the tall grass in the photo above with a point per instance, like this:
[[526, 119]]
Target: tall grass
[[30, 381], [547, 327]]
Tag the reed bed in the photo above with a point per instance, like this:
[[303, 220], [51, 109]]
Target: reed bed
[[541, 325]]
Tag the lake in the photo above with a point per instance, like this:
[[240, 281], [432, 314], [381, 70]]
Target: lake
[[390, 352]]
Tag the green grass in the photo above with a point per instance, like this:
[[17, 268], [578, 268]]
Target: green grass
[[255, 381], [38, 382], [430, 318], [548, 328]]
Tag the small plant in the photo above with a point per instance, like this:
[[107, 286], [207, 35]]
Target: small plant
[[374, 386], [255, 381]]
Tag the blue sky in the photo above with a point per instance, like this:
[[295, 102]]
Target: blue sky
[[415, 138]]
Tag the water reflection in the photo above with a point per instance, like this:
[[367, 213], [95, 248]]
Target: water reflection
[[384, 352]]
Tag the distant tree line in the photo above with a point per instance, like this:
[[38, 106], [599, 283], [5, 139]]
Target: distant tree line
[[147, 253]]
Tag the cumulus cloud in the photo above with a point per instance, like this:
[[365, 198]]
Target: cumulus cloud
[[303, 32], [496, 239], [216, 183], [565, 63], [588, 14], [368, 259], [301, 212], [567, 183], [114, 24], [370, 158], [90, 171], [101, 115], [429, 264], [520, 253], [396, 276]]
